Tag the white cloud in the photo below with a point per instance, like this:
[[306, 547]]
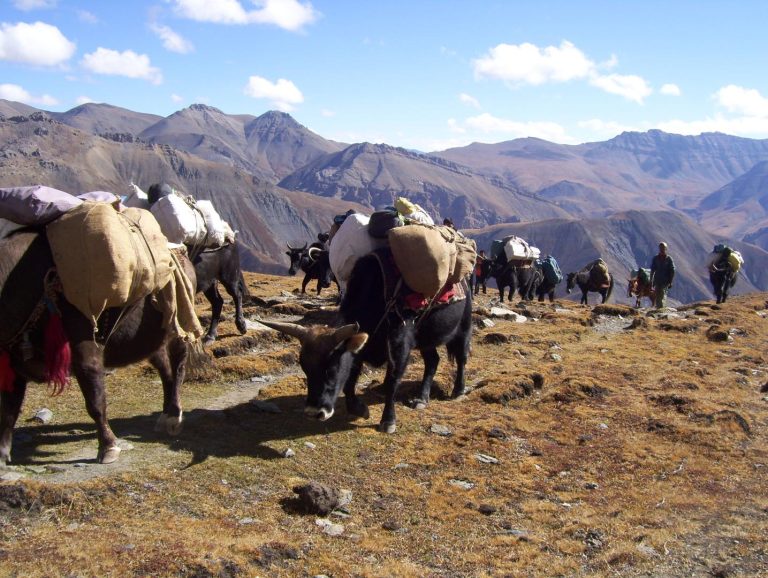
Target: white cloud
[[38, 44], [177, 99], [490, 125], [670, 90], [126, 63], [283, 94], [739, 100], [528, 64], [470, 100], [287, 14], [83, 100], [87, 17], [19, 94], [327, 113], [172, 40], [630, 87], [27, 5], [745, 126]]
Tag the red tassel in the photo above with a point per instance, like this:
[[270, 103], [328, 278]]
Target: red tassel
[[7, 375], [58, 355]]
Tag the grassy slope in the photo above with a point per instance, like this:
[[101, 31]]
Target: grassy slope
[[643, 453]]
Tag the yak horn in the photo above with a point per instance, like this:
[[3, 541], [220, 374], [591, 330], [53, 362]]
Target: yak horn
[[292, 329], [313, 250], [345, 332]]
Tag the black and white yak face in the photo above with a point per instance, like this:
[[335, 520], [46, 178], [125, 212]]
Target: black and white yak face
[[328, 357], [295, 254]]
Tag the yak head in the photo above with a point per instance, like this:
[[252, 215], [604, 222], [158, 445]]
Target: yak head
[[295, 254], [571, 282], [327, 357]]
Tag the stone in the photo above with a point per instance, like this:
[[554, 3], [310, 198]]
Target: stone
[[441, 430], [43, 415], [320, 499], [329, 527], [265, 406], [486, 459]]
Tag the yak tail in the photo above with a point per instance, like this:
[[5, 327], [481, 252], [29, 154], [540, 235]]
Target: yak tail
[[246, 294], [58, 355]]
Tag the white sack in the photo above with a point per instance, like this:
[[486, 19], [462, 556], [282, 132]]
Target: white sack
[[351, 242]]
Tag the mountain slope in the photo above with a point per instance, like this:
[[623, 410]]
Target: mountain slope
[[375, 175], [648, 170], [105, 119], [629, 239], [740, 207], [39, 150]]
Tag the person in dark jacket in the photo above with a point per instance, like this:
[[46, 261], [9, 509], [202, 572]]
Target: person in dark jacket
[[662, 275]]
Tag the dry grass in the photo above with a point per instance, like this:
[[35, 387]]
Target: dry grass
[[625, 448]]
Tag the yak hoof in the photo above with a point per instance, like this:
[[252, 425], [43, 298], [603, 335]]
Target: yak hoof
[[418, 404], [169, 424], [109, 455], [241, 326], [358, 409], [388, 428], [208, 339]]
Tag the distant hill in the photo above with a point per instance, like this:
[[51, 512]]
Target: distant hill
[[276, 182], [39, 150], [270, 146], [739, 208], [375, 175], [629, 239], [106, 119], [650, 170]]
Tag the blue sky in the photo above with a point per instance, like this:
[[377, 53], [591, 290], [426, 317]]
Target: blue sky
[[427, 75]]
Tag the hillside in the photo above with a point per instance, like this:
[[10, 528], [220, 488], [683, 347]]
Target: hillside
[[40, 150], [589, 444], [650, 170], [630, 239], [739, 208], [375, 175]]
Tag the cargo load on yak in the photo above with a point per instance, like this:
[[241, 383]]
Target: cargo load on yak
[[412, 213], [551, 269], [513, 248], [641, 274], [106, 258], [431, 257], [350, 242], [722, 254], [193, 223]]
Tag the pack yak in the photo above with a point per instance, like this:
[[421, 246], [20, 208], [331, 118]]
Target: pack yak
[[594, 277], [375, 327], [29, 298]]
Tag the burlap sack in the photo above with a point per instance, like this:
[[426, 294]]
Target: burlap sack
[[466, 255], [108, 259], [425, 255]]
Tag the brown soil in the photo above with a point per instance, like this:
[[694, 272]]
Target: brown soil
[[590, 444]]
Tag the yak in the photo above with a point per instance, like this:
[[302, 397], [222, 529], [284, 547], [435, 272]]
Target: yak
[[518, 275], [722, 277], [221, 265], [591, 278], [29, 299], [314, 261], [376, 327]]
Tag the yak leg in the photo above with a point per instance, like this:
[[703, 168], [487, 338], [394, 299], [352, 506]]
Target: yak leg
[[305, 282], [399, 351], [171, 362], [235, 291], [88, 367], [217, 304], [10, 407], [431, 361], [355, 406]]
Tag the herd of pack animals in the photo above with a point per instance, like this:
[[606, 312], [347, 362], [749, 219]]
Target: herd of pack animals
[[373, 327]]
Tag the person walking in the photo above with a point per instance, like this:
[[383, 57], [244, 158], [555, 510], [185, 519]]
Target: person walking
[[662, 275]]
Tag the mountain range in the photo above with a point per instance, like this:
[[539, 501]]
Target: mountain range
[[278, 182]]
